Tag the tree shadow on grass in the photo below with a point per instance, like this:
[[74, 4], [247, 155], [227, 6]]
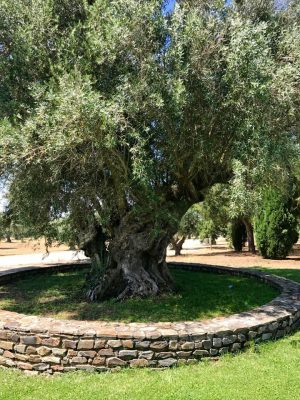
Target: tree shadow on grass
[[199, 295]]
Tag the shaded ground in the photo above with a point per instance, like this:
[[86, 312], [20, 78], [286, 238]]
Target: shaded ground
[[200, 295], [220, 255]]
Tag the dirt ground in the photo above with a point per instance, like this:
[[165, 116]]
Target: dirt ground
[[18, 247], [219, 254], [193, 251]]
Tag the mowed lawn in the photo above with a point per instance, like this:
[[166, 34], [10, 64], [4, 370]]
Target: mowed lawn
[[199, 295], [271, 372]]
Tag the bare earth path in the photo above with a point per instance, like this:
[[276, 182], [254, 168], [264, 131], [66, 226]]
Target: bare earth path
[[33, 253], [194, 252]]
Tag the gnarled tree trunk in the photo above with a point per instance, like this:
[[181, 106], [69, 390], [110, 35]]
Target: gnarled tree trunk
[[132, 264]]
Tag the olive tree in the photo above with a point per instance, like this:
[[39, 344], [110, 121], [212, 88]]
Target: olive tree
[[119, 117]]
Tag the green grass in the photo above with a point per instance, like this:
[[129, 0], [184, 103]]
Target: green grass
[[199, 295], [272, 373]]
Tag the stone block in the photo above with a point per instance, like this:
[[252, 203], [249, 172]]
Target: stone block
[[115, 344], [70, 344], [87, 353], [159, 346], [127, 344], [168, 362], [148, 355], [141, 345], [188, 346], [139, 363], [20, 348], [85, 345], [206, 344], [43, 351], [128, 354], [6, 345], [115, 362], [52, 341], [227, 340], [79, 360], [99, 361], [201, 353], [100, 344], [106, 353], [217, 342]]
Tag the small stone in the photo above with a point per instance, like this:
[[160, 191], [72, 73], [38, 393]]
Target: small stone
[[139, 363], [173, 345], [87, 353], [127, 344], [6, 345], [198, 345], [159, 346], [34, 358], [51, 360], [241, 337], [98, 361], [8, 354], [148, 355], [217, 342], [280, 333], [213, 352], [70, 344], [31, 350], [227, 340], [206, 344], [168, 362], [79, 360], [236, 347], [145, 344], [105, 353], [128, 354], [165, 354], [25, 366], [115, 344], [262, 329], [252, 335], [10, 363], [87, 368], [188, 346], [272, 327], [29, 340], [41, 367], [266, 336], [20, 348], [72, 353], [201, 353], [99, 344], [52, 342], [43, 351], [57, 368], [21, 357], [115, 362], [184, 354], [59, 352], [85, 344]]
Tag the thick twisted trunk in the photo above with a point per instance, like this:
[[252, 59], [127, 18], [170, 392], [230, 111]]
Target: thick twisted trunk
[[133, 265]]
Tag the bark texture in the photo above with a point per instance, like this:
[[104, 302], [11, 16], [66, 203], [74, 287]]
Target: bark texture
[[177, 243], [132, 264], [250, 235]]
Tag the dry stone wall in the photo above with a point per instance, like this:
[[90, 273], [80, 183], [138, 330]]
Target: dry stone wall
[[45, 345]]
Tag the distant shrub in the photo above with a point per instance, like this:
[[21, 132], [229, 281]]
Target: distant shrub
[[238, 235], [275, 226]]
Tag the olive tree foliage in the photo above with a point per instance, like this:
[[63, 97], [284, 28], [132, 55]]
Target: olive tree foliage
[[118, 117]]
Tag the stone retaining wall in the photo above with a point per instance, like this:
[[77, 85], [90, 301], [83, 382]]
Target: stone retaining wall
[[45, 345]]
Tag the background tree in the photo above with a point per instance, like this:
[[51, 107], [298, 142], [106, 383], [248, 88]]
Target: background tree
[[120, 118], [276, 226]]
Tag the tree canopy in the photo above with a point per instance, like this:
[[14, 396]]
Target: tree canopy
[[118, 117]]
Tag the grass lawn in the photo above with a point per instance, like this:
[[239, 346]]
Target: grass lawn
[[271, 373], [200, 295]]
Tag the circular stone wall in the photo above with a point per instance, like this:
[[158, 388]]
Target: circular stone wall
[[47, 345]]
